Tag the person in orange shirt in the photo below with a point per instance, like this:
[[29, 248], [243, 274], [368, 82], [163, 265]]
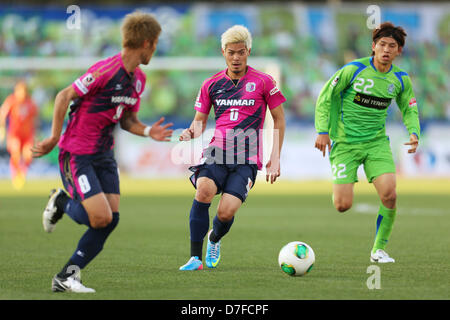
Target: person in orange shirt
[[23, 114]]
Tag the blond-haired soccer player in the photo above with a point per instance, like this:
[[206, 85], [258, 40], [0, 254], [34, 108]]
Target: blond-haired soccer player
[[351, 110], [240, 96], [107, 94]]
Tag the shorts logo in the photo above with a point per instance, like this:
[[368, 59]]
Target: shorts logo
[[250, 87], [88, 80], [84, 184], [412, 102], [391, 88], [335, 81], [249, 184], [273, 91]]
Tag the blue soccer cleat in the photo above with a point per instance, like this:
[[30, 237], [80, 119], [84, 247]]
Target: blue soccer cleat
[[193, 264], [212, 253]]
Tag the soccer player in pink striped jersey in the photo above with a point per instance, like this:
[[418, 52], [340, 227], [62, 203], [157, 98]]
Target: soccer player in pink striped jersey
[[240, 96], [107, 94]]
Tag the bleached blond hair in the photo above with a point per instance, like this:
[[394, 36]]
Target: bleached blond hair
[[237, 34], [138, 27]]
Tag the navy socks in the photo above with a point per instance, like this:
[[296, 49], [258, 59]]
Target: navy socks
[[76, 211], [89, 246], [198, 225], [220, 228]]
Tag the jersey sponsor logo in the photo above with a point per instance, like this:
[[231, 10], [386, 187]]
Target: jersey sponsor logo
[[412, 102], [235, 102], [123, 99], [198, 104], [371, 102], [118, 86], [274, 90], [250, 87], [335, 81]]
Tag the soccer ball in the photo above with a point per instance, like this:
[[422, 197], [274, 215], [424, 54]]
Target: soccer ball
[[296, 258]]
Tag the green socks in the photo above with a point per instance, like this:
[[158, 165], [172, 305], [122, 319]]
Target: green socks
[[385, 221]]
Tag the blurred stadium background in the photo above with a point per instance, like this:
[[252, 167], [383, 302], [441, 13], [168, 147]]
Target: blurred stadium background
[[301, 44]]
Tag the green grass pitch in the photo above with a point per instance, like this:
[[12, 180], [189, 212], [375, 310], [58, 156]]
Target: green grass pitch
[[142, 256]]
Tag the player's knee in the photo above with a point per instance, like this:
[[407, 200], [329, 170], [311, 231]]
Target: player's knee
[[225, 214], [389, 198], [102, 221], [204, 194], [342, 205]]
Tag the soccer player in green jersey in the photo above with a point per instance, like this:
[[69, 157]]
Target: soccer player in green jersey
[[351, 111]]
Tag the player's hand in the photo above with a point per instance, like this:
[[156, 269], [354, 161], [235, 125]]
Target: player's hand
[[413, 142], [187, 134], [159, 132], [45, 146], [272, 170], [322, 141]]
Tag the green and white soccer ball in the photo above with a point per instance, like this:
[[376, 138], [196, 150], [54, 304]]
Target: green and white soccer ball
[[296, 258]]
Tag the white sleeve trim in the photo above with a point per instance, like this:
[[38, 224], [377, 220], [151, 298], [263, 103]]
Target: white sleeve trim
[[81, 86]]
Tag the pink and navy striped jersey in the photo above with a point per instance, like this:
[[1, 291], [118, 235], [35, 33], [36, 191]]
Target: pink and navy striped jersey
[[105, 91], [240, 110]]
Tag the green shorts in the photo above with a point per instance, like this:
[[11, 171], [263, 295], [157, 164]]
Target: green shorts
[[345, 158]]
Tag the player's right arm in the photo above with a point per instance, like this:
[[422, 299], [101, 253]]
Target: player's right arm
[[202, 107], [196, 128], [330, 91], [62, 101]]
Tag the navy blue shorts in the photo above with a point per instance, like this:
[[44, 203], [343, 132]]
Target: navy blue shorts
[[86, 175], [235, 179]]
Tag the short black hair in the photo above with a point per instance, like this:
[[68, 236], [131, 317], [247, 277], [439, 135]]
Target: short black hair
[[387, 29]]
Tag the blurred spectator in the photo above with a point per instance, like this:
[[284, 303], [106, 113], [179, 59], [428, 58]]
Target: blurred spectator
[[22, 114]]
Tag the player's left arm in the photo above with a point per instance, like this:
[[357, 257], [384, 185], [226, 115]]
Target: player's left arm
[[279, 127], [156, 131], [406, 101]]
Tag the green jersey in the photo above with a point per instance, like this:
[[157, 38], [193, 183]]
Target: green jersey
[[352, 106]]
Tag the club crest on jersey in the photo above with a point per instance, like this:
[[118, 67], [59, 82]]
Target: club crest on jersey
[[335, 81], [412, 102], [391, 88], [250, 87], [138, 86], [88, 79]]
